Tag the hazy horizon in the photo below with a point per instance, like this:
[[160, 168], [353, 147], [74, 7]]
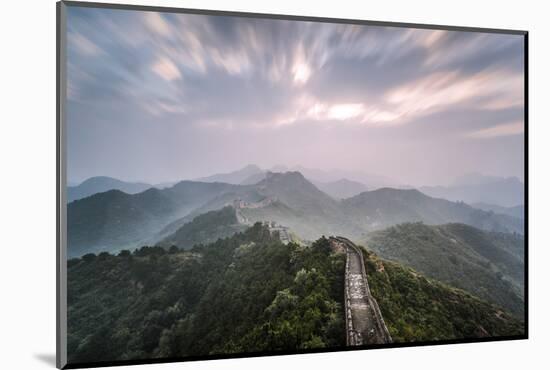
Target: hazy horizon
[[159, 97], [279, 168]]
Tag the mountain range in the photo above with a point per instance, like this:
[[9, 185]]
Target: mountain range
[[487, 264], [341, 189], [100, 184], [205, 229], [475, 188], [234, 177], [334, 182], [471, 188], [385, 207], [114, 220], [516, 211]]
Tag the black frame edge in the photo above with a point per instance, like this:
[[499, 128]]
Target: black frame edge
[[526, 181]]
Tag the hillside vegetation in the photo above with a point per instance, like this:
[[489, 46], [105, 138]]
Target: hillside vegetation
[[250, 293], [114, 220], [205, 229], [246, 293], [419, 309], [487, 264], [377, 209], [515, 211]]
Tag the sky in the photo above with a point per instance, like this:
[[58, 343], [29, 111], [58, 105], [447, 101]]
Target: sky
[[161, 97]]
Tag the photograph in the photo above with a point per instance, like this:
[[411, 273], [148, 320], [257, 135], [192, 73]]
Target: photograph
[[239, 184]]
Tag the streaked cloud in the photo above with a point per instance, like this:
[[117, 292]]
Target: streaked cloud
[[166, 69], [156, 23], [443, 89], [508, 129], [83, 45], [266, 77]]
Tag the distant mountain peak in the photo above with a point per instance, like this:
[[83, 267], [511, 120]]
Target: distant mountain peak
[[234, 177], [476, 188], [343, 181], [279, 168], [100, 184], [251, 167], [393, 192], [100, 180], [342, 188], [97, 179], [293, 189], [475, 178], [289, 176], [285, 173]]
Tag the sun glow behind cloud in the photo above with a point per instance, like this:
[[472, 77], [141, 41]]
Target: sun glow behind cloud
[[301, 73], [345, 111]]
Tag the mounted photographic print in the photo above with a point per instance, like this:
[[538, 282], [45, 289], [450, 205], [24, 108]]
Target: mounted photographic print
[[236, 184]]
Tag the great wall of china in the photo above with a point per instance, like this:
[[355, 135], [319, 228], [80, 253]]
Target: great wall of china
[[364, 322], [274, 227]]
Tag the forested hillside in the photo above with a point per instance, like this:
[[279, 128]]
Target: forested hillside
[[246, 293], [419, 309], [486, 264], [205, 229], [249, 293], [385, 207]]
